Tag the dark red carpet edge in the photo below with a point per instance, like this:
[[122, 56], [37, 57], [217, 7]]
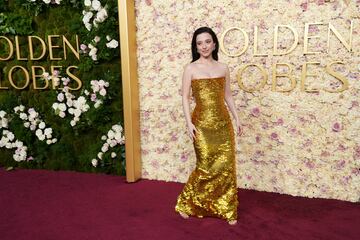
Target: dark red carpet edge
[[40, 204]]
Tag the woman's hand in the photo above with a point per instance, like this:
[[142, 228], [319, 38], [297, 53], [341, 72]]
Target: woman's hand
[[191, 131], [239, 128]]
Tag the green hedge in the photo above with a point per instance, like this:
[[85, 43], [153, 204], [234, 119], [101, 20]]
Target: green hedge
[[77, 145]]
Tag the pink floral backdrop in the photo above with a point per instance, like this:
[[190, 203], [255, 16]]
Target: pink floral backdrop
[[299, 143]]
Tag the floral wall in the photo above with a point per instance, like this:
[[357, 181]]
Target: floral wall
[[300, 142], [61, 121]]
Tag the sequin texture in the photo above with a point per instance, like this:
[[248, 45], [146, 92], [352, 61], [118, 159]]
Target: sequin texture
[[211, 188]]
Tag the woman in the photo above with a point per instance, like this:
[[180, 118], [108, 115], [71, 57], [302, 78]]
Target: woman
[[211, 189]]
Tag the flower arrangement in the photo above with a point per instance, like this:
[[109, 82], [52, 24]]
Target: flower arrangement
[[113, 138], [47, 1], [9, 141]]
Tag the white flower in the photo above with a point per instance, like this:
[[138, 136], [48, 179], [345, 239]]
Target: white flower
[[72, 123], [87, 3], [97, 103], [2, 114], [54, 140], [62, 114], [97, 39], [23, 116], [105, 148], [26, 124], [96, 5], [108, 37], [62, 107], [60, 97], [100, 155], [48, 132], [103, 92], [103, 137], [48, 142], [55, 106], [112, 44], [113, 155], [101, 16], [32, 127], [42, 125], [94, 162], [38, 132]]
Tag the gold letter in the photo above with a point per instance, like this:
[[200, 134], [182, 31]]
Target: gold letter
[[18, 49], [275, 75], [338, 76], [67, 43], [1, 87], [34, 76], [11, 52], [26, 75], [342, 40], [307, 37], [293, 46], [262, 83], [74, 77], [222, 46], [31, 49], [304, 75], [51, 46], [256, 43]]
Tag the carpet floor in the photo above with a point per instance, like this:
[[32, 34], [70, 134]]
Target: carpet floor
[[41, 204]]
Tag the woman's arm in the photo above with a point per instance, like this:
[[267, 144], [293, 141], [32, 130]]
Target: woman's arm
[[185, 90], [230, 101]]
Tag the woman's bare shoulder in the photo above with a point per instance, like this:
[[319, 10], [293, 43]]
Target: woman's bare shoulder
[[222, 65]]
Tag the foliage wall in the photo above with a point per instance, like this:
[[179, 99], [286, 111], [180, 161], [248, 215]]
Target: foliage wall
[[62, 128]]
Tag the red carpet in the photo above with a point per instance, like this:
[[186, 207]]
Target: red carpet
[[40, 204]]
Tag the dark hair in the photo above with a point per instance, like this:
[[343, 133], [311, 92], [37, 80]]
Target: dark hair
[[195, 54]]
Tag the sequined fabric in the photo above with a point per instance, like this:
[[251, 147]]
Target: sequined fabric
[[211, 188]]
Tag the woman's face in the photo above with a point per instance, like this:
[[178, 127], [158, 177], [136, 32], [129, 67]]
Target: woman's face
[[204, 44]]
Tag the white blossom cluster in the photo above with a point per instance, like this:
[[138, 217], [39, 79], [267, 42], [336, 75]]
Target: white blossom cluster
[[67, 102], [8, 140], [95, 13], [48, 1], [98, 87], [92, 50], [113, 138], [34, 123]]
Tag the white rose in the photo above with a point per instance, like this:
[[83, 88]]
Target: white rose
[[38, 132], [54, 140], [62, 107], [100, 155], [72, 123], [96, 5], [101, 15], [113, 155], [62, 114], [103, 92], [23, 116], [87, 3], [48, 142], [94, 162], [2, 114], [103, 137], [26, 124], [60, 97], [97, 39], [42, 125], [112, 44]]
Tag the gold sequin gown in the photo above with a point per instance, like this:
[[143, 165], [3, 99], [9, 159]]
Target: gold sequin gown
[[211, 188]]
